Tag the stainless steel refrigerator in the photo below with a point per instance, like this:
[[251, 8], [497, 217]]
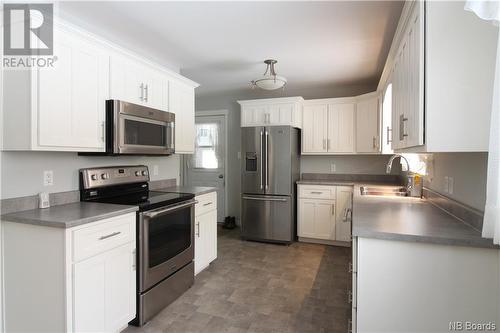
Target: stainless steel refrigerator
[[270, 169]]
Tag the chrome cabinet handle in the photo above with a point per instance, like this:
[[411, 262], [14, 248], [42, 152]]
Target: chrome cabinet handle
[[146, 89], [267, 162], [261, 161], [345, 215], [103, 134], [142, 92], [333, 209], [402, 120], [134, 260], [328, 144], [389, 130], [324, 143], [313, 192], [373, 143], [198, 226], [207, 204], [110, 235]]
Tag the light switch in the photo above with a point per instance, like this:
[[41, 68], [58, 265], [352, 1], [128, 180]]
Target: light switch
[[155, 170], [446, 184]]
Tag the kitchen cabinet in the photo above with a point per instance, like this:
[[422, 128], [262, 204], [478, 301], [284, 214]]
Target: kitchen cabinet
[[89, 276], [343, 214], [272, 112], [452, 67], [315, 128], [341, 128], [135, 82], [328, 127], [324, 214], [425, 286], [367, 124], [181, 102], [205, 231], [60, 108]]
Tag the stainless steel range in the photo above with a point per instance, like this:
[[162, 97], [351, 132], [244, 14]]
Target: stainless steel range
[[165, 237]]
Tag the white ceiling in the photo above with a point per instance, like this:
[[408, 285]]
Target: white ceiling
[[320, 46]]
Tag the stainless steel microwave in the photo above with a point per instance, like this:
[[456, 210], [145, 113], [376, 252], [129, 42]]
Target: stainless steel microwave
[[138, 130]]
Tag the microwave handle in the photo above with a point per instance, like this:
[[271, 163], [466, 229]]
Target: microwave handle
[[159, 212], [172, 135]]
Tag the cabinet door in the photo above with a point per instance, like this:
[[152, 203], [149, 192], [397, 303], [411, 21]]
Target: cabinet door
[[125, 80], [155, 90], [367, 126], [205, 245], [71, 96], [305, 227], [343, 213], [281, 114], [181, 102], [254, 115], [314, 128], [104, 291], [341, 128], [324, 220]]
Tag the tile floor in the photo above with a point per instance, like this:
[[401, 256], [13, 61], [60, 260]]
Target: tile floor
[[255, 287]]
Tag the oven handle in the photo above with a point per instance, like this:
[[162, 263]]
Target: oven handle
[[157, 212]]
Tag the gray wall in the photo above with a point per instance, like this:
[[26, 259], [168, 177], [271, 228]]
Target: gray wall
[[350, 164], [22, 172], [468, 171]]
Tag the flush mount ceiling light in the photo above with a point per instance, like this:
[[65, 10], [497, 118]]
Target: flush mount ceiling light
[[269, 81]]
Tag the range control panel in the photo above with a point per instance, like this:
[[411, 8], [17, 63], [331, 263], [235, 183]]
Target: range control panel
[[107, 176]]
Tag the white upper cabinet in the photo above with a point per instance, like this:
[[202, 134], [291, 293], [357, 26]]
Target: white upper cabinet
[[63, 108], [134, 82], [315, 128], [272, 112], [341, 128], [452, 66], [181, 102], [367, 125], [60, 108]]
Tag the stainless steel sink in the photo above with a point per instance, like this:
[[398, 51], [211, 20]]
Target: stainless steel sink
[[389, 191]]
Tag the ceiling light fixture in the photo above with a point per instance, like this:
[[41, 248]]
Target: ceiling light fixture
[[270, 81]]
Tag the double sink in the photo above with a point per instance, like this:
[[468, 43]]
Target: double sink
[[388, 191]]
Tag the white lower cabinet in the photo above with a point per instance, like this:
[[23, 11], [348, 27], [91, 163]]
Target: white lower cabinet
[[324, 213], [205, 231], [403, 286], [81, 279]]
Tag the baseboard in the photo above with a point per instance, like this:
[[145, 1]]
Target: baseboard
[[324, 242]]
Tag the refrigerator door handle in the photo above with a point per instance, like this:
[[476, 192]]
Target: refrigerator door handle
[[265, 199], [261, 162], [267, 160]]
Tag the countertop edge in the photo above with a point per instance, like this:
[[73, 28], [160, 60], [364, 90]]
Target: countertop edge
[[70, 224]]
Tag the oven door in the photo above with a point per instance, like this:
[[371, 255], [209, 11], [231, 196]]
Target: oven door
[[166, 241]]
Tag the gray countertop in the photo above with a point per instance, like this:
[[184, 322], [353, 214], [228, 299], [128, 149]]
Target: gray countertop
[[405, 219], [410, 219], [69, 215], [196, 190]]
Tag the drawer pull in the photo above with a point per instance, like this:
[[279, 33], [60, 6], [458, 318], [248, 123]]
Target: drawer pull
[[110, 235], [316, 192], [207, 204]]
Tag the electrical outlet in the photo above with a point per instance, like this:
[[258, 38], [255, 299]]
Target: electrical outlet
[[43, 200], [446, 184], [451, 184], [48, 178], [333, 167], [155, 170]]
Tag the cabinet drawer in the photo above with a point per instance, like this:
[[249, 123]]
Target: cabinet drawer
[[316, 192], [102, 236], [206, 202]]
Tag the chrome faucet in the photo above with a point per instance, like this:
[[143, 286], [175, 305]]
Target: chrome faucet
[[388, 168]]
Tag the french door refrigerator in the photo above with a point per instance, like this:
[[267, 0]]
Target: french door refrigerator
[[269, 172]]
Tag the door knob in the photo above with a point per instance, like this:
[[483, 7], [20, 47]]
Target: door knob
[[221, 176]]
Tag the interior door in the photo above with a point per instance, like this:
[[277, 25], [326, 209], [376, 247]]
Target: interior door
[[206, 167]]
